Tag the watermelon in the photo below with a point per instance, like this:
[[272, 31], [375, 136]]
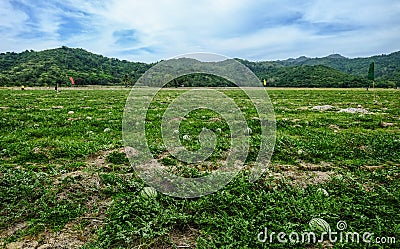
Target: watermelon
[[318, 224], [148, 192], [322, 191]]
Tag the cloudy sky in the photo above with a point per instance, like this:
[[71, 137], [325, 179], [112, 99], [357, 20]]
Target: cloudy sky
[[151, 30]]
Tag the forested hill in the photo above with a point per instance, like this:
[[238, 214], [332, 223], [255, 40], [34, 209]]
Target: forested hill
[[48, 67], [386, 66], [331, 71], [53, 66]]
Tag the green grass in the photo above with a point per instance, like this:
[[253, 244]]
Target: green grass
[[65, 172]]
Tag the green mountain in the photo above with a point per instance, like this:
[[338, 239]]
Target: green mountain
[[53, 66], [49, 67], [331, 71], [387, 67], [306, 76]]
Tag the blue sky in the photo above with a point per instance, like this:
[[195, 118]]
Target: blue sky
[[152, 30]]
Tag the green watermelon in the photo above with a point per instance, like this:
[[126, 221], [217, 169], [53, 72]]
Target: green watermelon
[[322, 191], [318, 224], [148, 192]]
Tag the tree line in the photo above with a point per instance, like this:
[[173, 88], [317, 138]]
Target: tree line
[[55, 66]]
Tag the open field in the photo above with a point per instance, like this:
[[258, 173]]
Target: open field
[[65, 181]]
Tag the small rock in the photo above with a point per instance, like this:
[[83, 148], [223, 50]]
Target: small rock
[[334, 127], [15, 245], [354, 110], [31, 244], [384, 124], [186, 137], [322, 108], [107, 130], [89, 118], [71, 112], [45, 246]]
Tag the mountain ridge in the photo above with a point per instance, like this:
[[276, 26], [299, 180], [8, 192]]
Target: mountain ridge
[[52, 66]]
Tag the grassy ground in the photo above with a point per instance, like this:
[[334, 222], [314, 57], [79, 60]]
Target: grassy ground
[[65, 180]]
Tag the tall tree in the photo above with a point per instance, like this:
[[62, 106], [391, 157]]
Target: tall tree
[[126, 80], [371, 71]]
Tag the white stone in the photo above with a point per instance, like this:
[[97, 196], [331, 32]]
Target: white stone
[[322, 108]]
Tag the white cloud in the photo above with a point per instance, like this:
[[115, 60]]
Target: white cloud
[[11, 20], [254, 30], [355, 11]]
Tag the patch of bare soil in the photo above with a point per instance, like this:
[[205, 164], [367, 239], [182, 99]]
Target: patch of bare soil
[[74, 234], [303, 175], [99, 160], [78, 231], [178, 238], [184, 238], [45, 150], [373, 168], [13, 229], [302, 179]]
